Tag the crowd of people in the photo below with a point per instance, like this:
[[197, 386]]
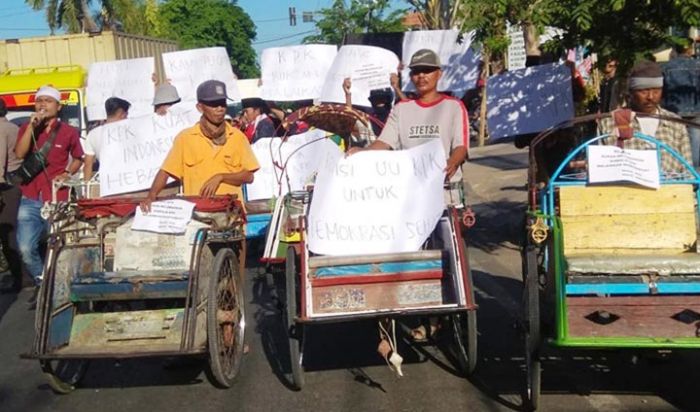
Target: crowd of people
[[214, 156]]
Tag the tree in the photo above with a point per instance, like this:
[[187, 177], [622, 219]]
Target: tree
[[206, 23], [438, 14], [339, 20], [73, 15], [129, 16]]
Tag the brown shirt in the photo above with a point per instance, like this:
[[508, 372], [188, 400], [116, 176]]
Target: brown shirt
[[8, 138]]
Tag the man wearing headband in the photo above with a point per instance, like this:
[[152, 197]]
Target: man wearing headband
[[645, 85], [64, 159]]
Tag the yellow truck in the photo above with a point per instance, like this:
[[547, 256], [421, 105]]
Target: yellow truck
[[63, 61]]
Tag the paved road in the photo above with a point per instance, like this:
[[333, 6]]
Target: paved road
[[345, 374]]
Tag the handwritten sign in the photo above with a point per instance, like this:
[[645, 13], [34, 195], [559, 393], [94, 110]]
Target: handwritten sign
[[516, 48], [127, 79], [368, 67], [529, 100], [300, 155], [295, 72], [134, 149], [166, 216], [613, 164], [248, 87], [460, 62], [377, 201], [187, 69]]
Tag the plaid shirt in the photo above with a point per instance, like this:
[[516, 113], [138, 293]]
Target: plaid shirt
[[674, 134]]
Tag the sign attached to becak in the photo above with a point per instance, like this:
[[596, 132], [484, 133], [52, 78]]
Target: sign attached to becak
[[460, 62], [134, 149], [529, 100], [187, 69], [612, 164], [366, 203], [131, 80], [289, 165], [295, 72], [368, 67]]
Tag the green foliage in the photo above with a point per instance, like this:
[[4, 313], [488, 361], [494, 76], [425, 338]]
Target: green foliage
[[208, 23], [340, 20], [72, 15]]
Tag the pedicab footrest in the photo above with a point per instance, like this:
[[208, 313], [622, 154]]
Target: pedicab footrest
[[677, 264], [99, 286]]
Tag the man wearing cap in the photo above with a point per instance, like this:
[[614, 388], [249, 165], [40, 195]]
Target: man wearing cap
[[116, 109], [259, 123], [166, 96], [64, 159], [211, 157], [645, 85], [432, 115]]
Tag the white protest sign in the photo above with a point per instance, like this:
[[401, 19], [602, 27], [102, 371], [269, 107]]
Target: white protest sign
[[134, 149], [377, 201], [613, 164], [248, 87], [529, 100], [187, 69], [516, 48], [368, 67], [130, 80], [166, 216], [460, 62], [295, 72], [300, 155]]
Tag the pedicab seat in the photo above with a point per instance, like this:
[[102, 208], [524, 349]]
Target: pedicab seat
[[129, 285], [679, 264]]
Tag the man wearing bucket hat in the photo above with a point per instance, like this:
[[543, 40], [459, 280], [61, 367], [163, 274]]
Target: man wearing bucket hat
[[211, 157], [432, 115], [166, 96], [59, 145], [645, 86]]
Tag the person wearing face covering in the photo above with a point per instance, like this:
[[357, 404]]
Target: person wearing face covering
[[210, 158]]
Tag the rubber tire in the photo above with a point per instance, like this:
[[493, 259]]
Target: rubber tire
[[64, 375], [294, 331], [533, 366], [465, 345], [223, 376]]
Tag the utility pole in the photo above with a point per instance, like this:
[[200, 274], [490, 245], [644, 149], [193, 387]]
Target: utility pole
[[445, 14], [292, 16]]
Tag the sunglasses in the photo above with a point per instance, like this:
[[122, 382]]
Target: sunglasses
[[423, 70]]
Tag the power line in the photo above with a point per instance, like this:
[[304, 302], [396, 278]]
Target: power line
[[16, 14], [284, 38], [270, 20]]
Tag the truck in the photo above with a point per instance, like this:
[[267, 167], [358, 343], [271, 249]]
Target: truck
[[63, 61]]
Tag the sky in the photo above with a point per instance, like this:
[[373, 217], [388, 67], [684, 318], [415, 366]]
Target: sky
[[271, 17]]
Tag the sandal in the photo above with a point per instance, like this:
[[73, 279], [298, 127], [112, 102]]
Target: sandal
[[420, 334]]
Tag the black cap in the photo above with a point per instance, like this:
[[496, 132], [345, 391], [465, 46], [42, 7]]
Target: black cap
[[211, 91], [253, 102], [381, 94]]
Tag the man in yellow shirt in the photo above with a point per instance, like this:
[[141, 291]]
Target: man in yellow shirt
[[211, 157]]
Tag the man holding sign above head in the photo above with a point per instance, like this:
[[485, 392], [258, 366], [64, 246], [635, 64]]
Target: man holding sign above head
[[117, 109], [645, 85], [432, 115], [211, 157], [166, 96]]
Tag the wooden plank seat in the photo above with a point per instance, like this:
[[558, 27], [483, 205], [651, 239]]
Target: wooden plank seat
[[629, 230], [100, 286]]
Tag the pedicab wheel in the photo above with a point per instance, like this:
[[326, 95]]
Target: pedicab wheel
[[294, 331], [225, 319], [63, 375], [464, 337], [533, 367]]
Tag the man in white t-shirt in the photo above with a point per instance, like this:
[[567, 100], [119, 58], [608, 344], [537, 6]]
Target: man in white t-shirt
[[117, 109], [432, 115]]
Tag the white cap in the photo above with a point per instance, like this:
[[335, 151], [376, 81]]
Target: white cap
[[48, 91]]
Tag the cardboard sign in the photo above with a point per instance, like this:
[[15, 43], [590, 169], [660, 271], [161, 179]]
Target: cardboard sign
[[130, 80], [188, 69], [613, 164], [133, 150], [516, 48], [529, 100], [377, 201], [301, 157], [460, 62], [368, 67], [295, 72]]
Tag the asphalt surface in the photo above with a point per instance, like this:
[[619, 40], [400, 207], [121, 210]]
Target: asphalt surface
[[344, 373]]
